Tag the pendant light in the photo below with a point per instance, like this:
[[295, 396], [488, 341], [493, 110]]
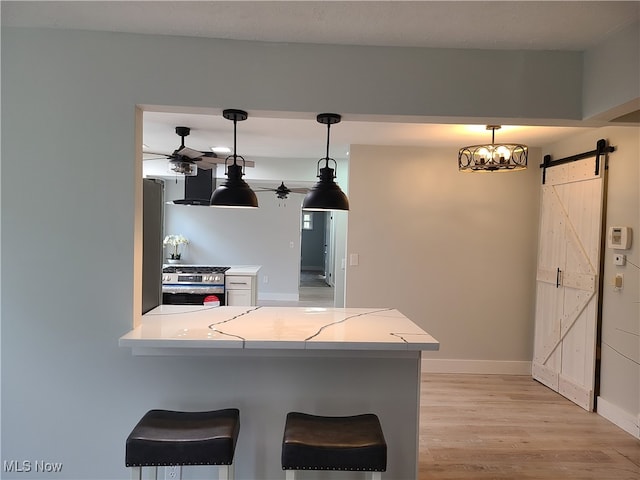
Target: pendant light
[[493, 158], [326, 194], [234, 192]]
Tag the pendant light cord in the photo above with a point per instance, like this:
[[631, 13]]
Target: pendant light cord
[[235, 121], [326, 159]]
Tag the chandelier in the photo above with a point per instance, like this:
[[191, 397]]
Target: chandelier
[[493, 157]]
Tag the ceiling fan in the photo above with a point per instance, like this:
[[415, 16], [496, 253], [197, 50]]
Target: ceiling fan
[[186, 161], [282, 192]]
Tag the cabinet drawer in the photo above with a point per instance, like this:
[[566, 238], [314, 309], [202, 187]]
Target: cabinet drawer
[[233, 282]]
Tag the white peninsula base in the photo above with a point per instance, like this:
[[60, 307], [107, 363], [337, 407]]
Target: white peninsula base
[[268, 361]]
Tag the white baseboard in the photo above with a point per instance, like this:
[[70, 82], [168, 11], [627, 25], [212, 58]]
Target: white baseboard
[[506, 367], [626, 421], [281, 297]]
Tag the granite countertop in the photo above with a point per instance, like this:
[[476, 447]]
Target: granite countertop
[[282, 328], [250, 270]]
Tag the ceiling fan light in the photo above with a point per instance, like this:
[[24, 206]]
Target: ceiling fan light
[[187, 169]]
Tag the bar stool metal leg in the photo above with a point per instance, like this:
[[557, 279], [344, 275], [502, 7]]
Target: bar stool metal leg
[[225, 472], [136, 473], [291, 475]]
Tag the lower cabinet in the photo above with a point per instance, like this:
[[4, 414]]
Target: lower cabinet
[[241, 291]]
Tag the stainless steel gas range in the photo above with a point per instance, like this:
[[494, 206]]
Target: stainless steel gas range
[[192, 284]]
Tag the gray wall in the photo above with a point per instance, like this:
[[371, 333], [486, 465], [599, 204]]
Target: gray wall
[[457, 250], [70, 225], [268, 236], [612, 74]]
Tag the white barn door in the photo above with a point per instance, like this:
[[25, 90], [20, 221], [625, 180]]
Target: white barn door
[[566, 316]]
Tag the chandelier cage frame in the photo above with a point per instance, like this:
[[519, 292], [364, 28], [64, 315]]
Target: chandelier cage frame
[[494, 157]]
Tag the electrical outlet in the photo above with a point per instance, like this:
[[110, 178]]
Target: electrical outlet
[[172, 472], [265, 279]]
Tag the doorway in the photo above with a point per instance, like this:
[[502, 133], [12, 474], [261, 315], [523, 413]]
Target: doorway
[[316, 258]]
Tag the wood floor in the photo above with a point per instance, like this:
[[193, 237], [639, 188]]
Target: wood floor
[[511, 427], [313, 292]]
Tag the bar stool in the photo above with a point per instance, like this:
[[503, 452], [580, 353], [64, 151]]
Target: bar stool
[[312, 442], [170, 438]]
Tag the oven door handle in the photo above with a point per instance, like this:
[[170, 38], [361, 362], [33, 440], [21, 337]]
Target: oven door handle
[[197, 290]]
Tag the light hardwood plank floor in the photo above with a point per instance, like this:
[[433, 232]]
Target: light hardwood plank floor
[[309, 297], [512, 427]]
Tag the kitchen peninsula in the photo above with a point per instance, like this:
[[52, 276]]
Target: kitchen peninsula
[[268, 361]]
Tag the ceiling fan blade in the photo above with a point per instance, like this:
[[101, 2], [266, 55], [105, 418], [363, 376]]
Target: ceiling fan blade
[[209, 157], [190, 153], [299, 190], [154, 156], [220, 161], [162, 154]]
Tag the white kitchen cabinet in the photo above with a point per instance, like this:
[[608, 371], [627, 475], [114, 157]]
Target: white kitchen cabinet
[[241, 290]]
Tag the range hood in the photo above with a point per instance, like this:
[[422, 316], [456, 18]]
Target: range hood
[[197, 188]]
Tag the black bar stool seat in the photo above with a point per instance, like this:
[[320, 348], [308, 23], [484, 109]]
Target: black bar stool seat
[[314, 442], [166, 438]]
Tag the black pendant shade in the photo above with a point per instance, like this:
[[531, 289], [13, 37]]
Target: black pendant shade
[[234, 192], [326, 194]]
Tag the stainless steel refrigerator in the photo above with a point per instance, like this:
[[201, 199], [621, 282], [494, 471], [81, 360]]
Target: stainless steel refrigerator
[[152, 235]]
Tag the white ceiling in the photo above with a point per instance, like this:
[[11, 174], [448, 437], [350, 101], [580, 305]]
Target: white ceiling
[[547, 25]]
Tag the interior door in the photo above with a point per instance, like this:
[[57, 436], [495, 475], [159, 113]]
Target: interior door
[[329, 255], [566, 316]]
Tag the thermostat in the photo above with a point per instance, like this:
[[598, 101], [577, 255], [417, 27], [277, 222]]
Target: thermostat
[[619, 238]]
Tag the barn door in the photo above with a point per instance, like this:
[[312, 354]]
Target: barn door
[[566, 316]]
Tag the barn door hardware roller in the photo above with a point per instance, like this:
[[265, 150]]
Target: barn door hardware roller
[[602, 148]]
